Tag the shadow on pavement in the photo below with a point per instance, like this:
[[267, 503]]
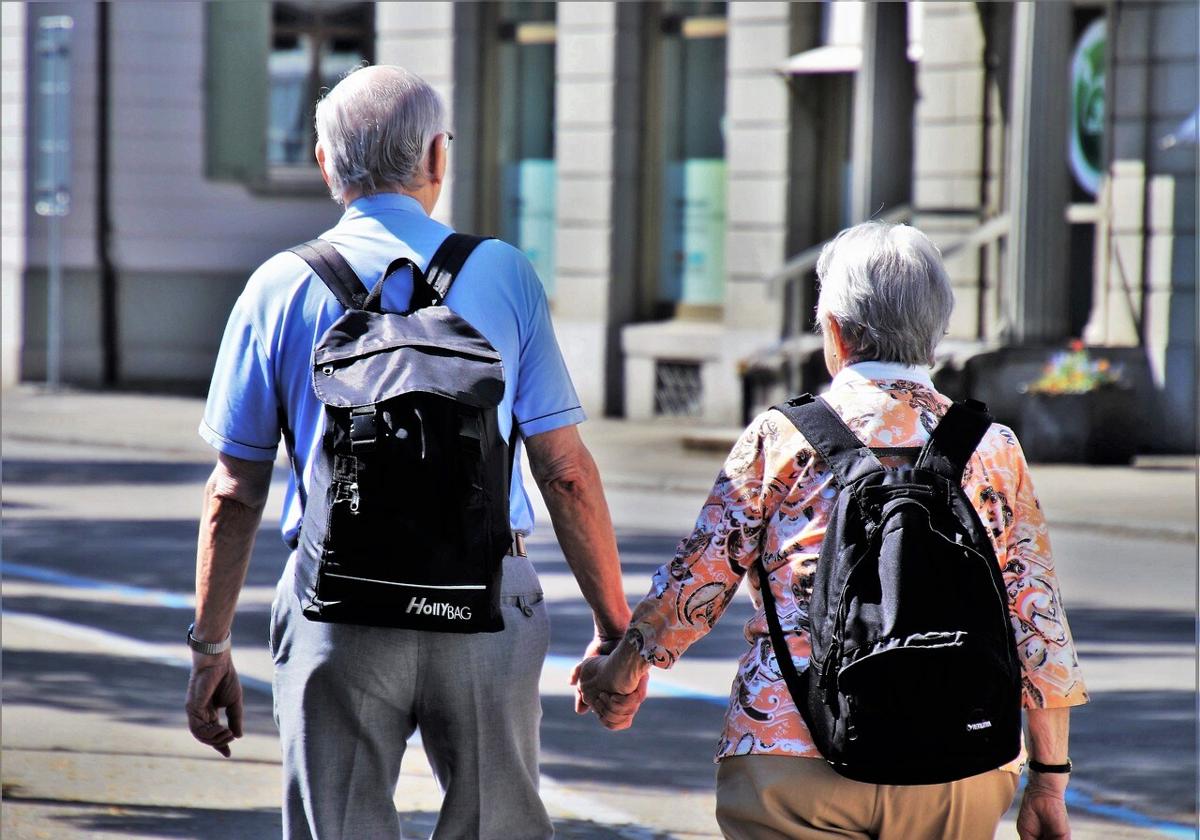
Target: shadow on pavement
[[1140, 748], [32, 471], [128, 690], [1131, 627], [146, 623], [157, 554], [92, 818], [670, 745]]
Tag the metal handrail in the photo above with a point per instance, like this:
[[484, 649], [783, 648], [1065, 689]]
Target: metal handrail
[[806, 261], [800, 265]]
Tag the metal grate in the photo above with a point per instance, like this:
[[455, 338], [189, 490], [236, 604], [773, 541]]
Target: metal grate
[[677, 389]]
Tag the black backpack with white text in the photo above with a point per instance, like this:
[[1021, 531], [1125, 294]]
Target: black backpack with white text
[[913, 676], [406, 520]]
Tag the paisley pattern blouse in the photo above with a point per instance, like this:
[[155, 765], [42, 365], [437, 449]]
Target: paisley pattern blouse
[[772, 500]]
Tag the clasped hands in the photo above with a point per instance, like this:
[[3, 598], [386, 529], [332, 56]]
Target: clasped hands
[[611, 681]]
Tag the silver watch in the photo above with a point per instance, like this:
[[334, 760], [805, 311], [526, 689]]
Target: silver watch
[[210, 648]]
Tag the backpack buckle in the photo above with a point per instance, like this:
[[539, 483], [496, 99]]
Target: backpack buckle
[[363, 430]]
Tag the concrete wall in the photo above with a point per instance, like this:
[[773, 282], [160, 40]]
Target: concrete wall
[[182, 245], [948, 143], [13, 87], [1154, 86], [420, 37], [757, 114], [585, 138]]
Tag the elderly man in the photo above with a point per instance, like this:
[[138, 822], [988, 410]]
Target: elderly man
[[347, 696], [884, 305]]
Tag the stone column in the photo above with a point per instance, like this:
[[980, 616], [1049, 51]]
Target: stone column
[[421, 37], [1036, 286], [12, 199], [596, 144], [883, 113], [757, 141]]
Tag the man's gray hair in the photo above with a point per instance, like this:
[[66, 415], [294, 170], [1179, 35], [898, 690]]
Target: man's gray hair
[[888, 290], [376, 127]]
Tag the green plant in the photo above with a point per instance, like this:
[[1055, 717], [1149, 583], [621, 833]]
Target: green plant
[[1072, 371]]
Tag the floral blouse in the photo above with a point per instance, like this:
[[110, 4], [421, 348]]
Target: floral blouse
[[772, 501]]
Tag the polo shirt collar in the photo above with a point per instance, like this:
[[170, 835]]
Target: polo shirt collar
[[882, 372], [376, 203]]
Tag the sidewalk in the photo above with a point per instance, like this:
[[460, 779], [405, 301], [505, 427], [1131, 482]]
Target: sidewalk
[[1156, 497]]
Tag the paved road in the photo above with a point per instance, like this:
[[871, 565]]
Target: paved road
[[98, 546]]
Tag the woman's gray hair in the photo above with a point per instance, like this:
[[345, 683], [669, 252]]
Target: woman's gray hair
[[376, 127], [888, 290]]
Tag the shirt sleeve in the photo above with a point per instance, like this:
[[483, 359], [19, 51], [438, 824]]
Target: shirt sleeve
[[545, 398], [1051, 674], [689, 594], [241, 417]]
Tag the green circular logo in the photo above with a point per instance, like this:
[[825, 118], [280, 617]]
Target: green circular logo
[[1088, 67]]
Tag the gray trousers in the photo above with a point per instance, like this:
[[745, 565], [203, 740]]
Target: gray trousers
[[347, 698]]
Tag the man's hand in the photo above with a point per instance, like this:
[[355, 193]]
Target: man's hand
[[1043, 814], [233, 504], [214, 686], [613, 686]]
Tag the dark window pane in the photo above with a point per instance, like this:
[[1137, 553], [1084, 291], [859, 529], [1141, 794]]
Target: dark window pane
[[314, 46]]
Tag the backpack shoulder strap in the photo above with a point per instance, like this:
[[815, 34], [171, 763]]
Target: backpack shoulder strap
[[956, 436], [334, 271], [847, 456], [444, 268]]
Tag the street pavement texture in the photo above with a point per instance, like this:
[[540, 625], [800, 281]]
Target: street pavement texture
[[101, 494]]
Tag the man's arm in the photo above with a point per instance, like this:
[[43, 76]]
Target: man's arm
[[570, 484], [1043, 814], [234, 499]]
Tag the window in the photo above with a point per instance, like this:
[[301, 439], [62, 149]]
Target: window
[[525, 153], [691, 149], [312, 47], [267, 63]]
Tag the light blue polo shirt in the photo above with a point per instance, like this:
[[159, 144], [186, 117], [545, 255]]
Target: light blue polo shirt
[[265, 360]]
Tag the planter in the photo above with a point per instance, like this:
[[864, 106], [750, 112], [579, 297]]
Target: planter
[[1097, 427]]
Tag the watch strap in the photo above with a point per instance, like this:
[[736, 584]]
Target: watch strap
[[209, 648], [1050, 768]]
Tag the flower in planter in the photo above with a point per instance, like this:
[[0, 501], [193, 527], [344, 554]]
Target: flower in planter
[[1072, 371]]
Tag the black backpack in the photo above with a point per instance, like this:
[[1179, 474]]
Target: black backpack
[[914, 677], [406, 523]]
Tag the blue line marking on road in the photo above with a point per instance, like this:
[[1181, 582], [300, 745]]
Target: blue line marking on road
[[659, 684], [165, 599], [1119, 813]]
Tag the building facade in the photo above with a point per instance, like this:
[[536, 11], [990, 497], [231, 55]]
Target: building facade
[[671, 168]]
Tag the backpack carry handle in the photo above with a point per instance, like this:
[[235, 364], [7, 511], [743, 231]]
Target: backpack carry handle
[[374, 301]]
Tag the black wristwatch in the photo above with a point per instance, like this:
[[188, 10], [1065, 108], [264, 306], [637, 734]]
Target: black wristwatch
[[1050, 768]]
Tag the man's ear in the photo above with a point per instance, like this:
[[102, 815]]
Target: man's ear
[[320, 153], [437, 159]]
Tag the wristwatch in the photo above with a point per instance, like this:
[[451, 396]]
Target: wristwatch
[[210, 648], [1050, 768]]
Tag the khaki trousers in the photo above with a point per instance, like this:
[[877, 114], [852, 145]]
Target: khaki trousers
[[775, 797]]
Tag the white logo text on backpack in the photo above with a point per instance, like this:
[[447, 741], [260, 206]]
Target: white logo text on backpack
[[438, 608]]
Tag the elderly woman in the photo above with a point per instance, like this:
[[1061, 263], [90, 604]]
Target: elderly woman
[[885, 302]]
